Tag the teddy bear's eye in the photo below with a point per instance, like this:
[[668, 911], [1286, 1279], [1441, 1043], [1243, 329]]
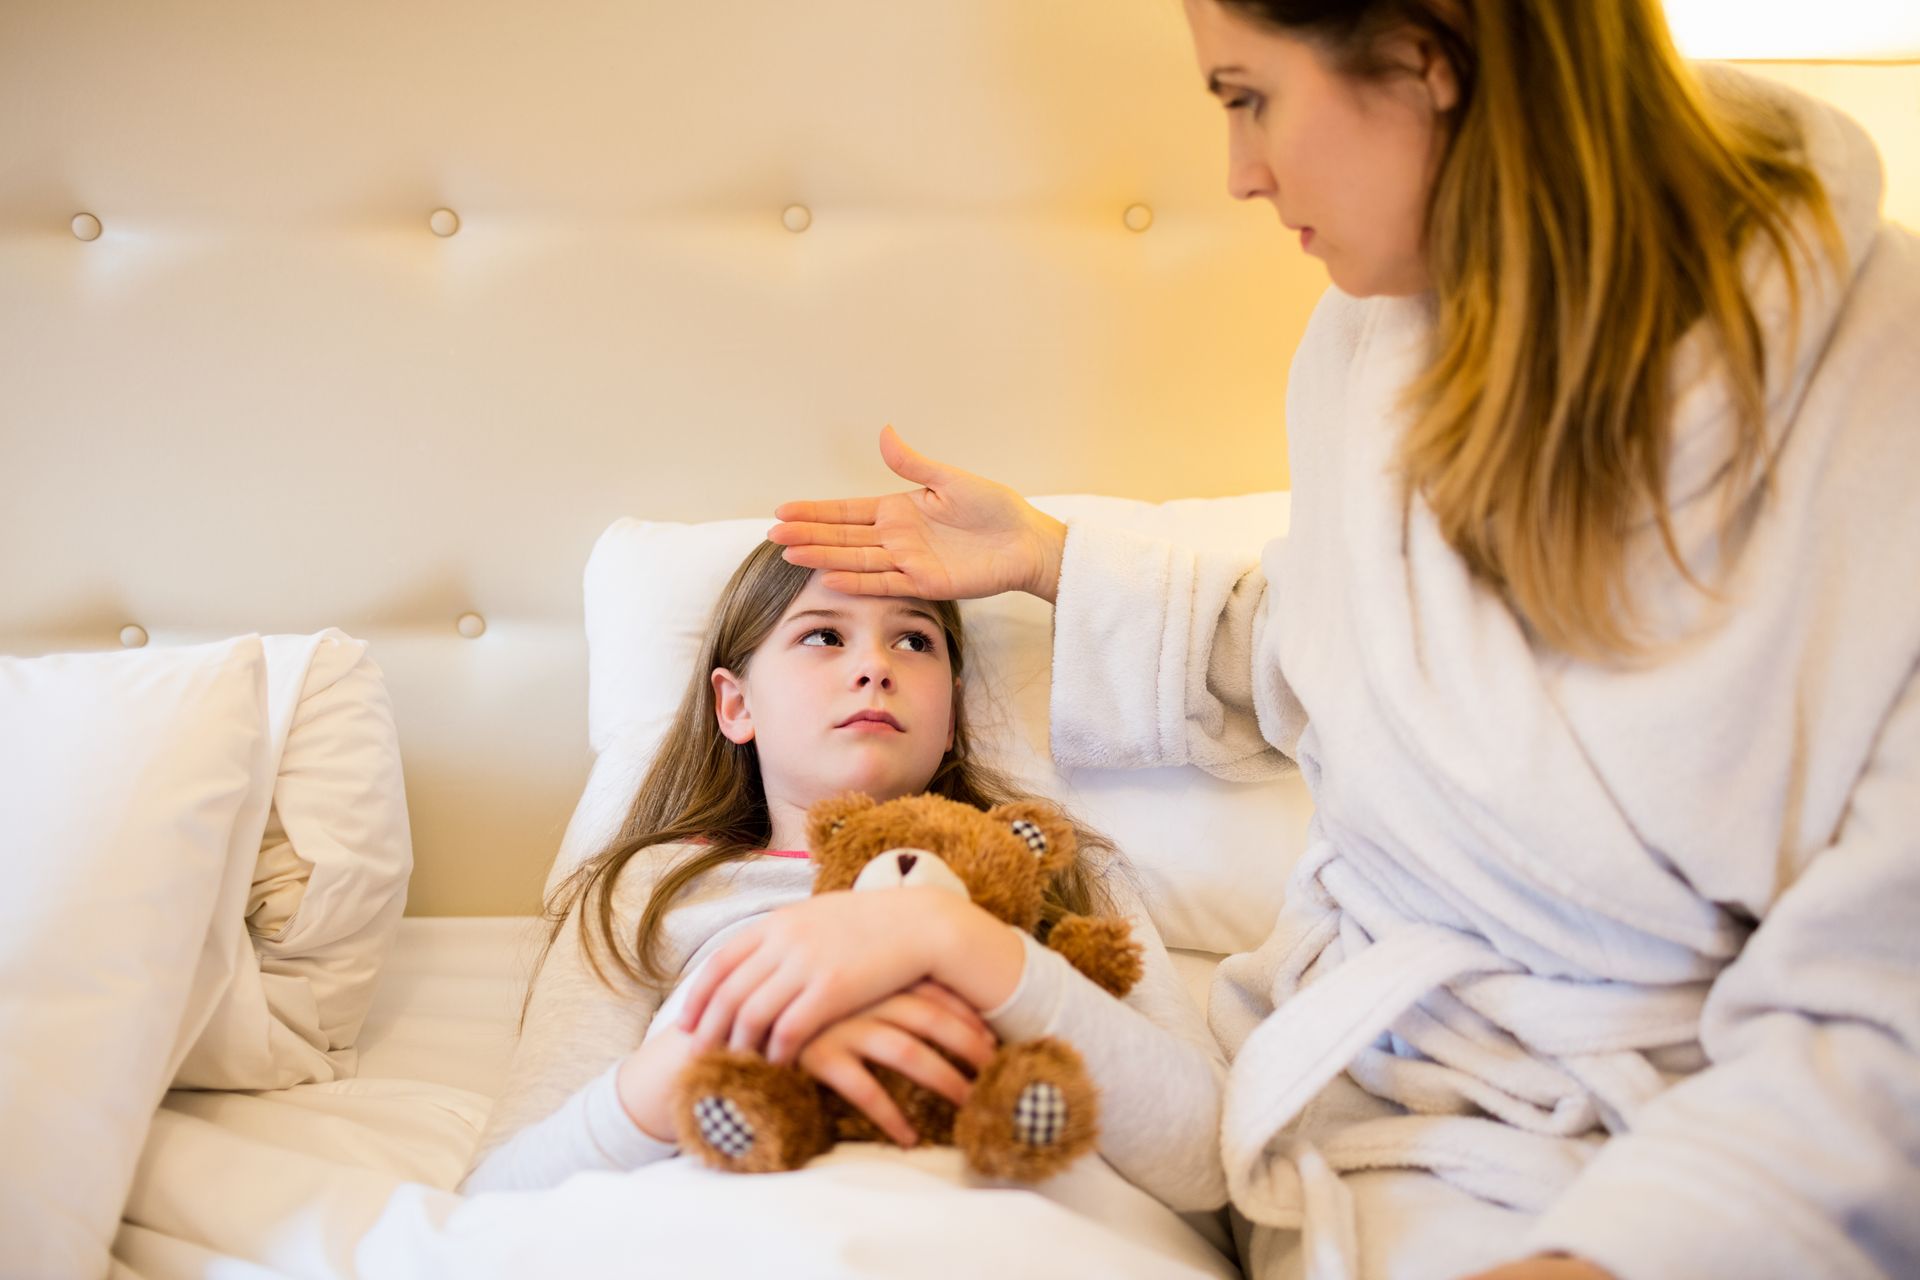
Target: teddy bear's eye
[[1035, 838], [838, 823]]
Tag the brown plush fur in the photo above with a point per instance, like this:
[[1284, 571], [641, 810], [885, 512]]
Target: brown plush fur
[[793, 1118]]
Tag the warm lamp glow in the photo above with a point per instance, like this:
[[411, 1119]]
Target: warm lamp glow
[[1793, 31]]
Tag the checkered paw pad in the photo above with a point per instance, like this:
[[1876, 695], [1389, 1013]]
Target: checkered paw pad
[[1036, 839], [1040, 1116], [722, 1125]]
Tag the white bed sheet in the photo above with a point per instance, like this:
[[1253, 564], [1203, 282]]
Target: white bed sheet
[[353, 1178]]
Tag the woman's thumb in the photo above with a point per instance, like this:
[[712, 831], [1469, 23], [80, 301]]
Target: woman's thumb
[[906, 463]]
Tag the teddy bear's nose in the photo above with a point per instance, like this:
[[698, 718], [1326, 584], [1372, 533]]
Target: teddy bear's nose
[[906, 862]]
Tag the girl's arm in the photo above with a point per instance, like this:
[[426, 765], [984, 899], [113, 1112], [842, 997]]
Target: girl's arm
[[1158, 1068], [561, 1111], [1159, 1071]]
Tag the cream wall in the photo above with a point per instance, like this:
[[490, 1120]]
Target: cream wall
[[703, 251]]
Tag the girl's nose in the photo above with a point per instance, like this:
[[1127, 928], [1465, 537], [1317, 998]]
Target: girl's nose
[[874, 669]]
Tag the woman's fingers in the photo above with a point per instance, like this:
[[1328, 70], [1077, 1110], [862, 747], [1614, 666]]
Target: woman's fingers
[[847, 1076], [861, 559], [832, 511], [909, 463], [796, 533], [719, 966], [874, 584]]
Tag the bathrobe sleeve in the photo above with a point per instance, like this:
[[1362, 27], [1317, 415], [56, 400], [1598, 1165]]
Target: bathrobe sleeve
[[1158, 660], [1797, 1151]]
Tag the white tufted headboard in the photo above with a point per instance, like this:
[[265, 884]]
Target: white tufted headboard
[[374, 315]]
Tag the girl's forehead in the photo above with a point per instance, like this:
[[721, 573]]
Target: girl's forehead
[[816, 600]]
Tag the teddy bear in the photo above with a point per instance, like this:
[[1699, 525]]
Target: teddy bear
[[1032, 1110]]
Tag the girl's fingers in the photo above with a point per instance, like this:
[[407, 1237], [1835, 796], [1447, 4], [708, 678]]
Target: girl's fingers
[[724, 1004], [928, 989], [966, 1038], [889, 1046], [830, 511], [817, 1007], [843, 1073], [759, 1010], [715, 971]]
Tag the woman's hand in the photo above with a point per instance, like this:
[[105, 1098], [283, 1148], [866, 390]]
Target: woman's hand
[[958, 537], [784, 978], [900, 1032]]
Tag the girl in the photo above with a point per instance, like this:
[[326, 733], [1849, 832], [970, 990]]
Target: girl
[[802, 694], [1595, 633]]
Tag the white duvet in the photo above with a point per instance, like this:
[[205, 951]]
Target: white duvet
[[348, 1179]]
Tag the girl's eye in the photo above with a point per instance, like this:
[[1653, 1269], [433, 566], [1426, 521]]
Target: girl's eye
[[1247, 100], [917, 641], [833, 637]]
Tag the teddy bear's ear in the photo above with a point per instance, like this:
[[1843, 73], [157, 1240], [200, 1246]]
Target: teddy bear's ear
[[825, 819], [1045, 830]]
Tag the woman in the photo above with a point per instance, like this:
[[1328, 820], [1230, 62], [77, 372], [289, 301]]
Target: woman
[[1594, 633]]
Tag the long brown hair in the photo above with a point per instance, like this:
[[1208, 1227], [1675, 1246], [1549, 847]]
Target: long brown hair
[[703, 787], [1592, 203]]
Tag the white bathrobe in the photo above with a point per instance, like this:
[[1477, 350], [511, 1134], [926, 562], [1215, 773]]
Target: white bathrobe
[[1619, 961]]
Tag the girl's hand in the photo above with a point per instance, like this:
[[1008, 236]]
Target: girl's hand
[[646, 1079], [958, 537], [784, 978], [900, 1032]]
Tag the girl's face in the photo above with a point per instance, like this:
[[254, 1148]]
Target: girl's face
[[846, 693], [1347, 162]]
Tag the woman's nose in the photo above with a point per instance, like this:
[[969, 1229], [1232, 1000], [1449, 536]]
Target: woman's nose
[[1248, 174]]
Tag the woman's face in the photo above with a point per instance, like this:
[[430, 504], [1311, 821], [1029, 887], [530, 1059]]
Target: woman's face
[[1348, 162]]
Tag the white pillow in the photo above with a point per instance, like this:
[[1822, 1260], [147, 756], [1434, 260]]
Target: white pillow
[[1212, 856], [133, 788], [300, 961]]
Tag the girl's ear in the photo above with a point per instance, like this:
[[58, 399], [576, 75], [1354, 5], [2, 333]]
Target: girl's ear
[[730, 707]]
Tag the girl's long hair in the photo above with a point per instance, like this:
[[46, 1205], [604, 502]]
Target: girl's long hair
[[1592, 204], [703, 787]]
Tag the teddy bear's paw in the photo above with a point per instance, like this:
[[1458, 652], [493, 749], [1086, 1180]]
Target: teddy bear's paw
[[1103, 948], [741, 1113], [1031, 1114], [723, 1126]]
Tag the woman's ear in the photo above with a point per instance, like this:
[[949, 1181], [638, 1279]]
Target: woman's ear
[[730, 708], [1443, 85]]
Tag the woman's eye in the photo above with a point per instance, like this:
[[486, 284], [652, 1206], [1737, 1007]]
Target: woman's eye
[[1246, 100], [917, 642], [812, 637]]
